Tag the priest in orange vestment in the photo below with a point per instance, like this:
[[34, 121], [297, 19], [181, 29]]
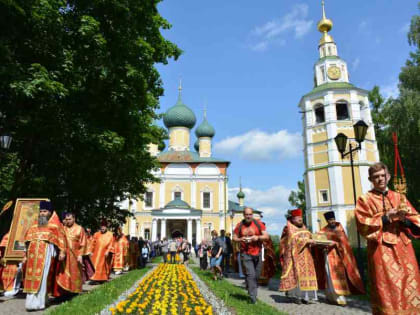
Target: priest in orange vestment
[[121, 247], [298, 276], [337, 271], [71, 278], [134, 253], [103, 248], [269, 262], [387, 220], [45, 241], [11, 274]]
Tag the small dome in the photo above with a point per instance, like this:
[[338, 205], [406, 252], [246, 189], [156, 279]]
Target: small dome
[[196, 145], [179, 115], [205, 129], [325, 25], [240, 194]]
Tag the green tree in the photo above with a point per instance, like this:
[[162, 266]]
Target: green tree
[[297, 198], [402, 115], [79, 93]]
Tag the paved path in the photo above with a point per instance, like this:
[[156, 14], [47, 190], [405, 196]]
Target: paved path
[[271, 296]]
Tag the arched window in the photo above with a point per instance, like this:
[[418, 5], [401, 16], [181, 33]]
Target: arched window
[[342, 110], [319, 114]]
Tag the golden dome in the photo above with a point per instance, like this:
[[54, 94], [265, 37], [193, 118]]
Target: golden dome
[[326, 38], [325, 25]]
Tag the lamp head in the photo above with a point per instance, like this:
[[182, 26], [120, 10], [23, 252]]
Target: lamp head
[[360, 130], [341, 142]]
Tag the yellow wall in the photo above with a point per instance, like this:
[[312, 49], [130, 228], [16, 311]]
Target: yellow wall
[[156, 191], [316, 101], [179, 136], [342, 97], [214, 187], [322, 182], [348, 184], [318, 137], [185, 187]]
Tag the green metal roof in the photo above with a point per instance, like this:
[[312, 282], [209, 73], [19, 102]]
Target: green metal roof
[[179, 115], [333, 86], [236, 208], [178, 204], [327, 58], [186, 157], [205, 129], [240, 194]]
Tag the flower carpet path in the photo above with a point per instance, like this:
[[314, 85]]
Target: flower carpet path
[[168, 289]]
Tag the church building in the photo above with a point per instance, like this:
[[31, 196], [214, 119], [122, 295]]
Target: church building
[[191, 197], [334, 106]]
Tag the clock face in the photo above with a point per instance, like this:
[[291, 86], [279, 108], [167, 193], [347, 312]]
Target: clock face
[[334, 73]]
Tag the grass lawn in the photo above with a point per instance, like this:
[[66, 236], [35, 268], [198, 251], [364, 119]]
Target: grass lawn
[[234, 297], [157, 259], [94, 301]]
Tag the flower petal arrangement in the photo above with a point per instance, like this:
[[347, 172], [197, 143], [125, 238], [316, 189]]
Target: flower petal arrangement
[[169, 289]]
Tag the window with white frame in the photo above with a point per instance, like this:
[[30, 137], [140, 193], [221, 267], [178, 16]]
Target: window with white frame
[[206, 197], [342, 110], [148, 199], [177, 195], [319, 114], [324, 196]]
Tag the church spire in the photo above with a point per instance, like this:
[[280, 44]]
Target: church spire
[[324, 26]]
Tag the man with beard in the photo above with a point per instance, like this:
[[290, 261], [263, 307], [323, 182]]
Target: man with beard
[[387, 220], [298, 277], [251, 234], [103, 249], [337, 271], [72, 277], [45, 241]]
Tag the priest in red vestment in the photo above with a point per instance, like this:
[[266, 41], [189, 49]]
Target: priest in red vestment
[[121, 247], [11, 273], [387, 220], [337, 271], [298, 276], [46, 241], [102, 251], [71, 278]]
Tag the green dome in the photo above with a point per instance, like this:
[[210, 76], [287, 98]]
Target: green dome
[[178, 203], [205, 129], [197, 145], [240, 194], [179, 115]]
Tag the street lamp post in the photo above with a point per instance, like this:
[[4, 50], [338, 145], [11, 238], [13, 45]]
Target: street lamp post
[[360, 130], [5, 141]]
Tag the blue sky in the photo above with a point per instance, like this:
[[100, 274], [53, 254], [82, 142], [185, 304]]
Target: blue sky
[[249, 63]]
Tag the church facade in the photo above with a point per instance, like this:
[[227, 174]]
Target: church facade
[[191, 197], [334, 106]]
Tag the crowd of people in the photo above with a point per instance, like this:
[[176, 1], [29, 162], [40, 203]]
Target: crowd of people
[[61, 256]]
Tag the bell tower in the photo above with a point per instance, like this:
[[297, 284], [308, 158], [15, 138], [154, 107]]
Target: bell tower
[[333, 106]]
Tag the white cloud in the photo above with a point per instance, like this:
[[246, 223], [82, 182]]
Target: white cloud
[[295, 21], [405, 28], [256, 145], [355, 64], [363, 25], [390, 90], [273, 202]]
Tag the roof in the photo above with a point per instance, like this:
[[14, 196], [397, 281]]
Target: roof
[[236, 208], [186, 157], [178, 204], [333, 86]]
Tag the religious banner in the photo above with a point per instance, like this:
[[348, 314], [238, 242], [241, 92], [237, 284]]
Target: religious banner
[[25, 215]]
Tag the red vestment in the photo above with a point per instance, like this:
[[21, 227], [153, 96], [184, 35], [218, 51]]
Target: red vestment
[[120, 252], [39, 237], [134, 253], [393, 268], [8, 270], [296, 258], [269, 264], [70, 278], [103, 247], [342, 264]]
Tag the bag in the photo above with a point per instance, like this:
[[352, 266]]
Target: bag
[[215, 250], [255, 222]]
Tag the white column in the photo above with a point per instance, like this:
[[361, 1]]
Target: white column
[[194, 192], [198, 231], [132, 227], [154, 230], [162, 193], [162, 228], [189, 230]]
